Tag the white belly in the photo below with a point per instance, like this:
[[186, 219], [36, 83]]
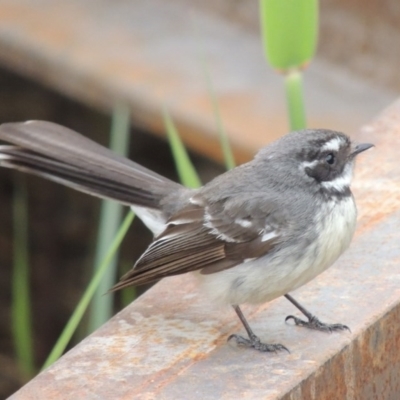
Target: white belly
[[264, 279]]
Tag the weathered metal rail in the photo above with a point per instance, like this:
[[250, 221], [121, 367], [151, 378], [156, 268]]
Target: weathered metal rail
[[171, 343]]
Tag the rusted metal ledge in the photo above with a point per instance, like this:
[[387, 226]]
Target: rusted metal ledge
[[147, 53], [171, 343]]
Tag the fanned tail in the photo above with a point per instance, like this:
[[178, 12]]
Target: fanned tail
[[62, 155]]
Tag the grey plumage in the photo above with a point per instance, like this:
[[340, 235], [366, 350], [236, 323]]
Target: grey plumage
[[63, 155], [253, 233]]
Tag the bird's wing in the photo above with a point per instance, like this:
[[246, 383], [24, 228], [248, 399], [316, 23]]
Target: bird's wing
[[209, 238]]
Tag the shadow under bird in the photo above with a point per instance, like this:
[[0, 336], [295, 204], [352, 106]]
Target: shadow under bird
[[250, 235]]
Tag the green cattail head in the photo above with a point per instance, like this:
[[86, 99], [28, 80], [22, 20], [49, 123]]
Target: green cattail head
[[289, 32]]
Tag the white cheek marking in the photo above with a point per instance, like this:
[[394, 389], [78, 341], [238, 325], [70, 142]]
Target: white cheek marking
[[342, 181]]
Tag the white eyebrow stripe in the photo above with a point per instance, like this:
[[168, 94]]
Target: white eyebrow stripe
[[333, 145]]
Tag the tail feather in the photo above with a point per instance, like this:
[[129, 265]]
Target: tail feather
[[63, 155]]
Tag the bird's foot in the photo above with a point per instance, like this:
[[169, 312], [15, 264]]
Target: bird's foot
[[256, 344], [314, 323]]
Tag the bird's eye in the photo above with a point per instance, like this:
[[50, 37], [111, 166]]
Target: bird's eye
[[330, 158]]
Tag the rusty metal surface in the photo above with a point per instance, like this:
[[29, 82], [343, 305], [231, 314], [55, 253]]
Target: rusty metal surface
[[147, 52], [171, 343]]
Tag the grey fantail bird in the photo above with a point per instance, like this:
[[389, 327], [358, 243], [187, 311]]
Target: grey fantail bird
[[251, 235]]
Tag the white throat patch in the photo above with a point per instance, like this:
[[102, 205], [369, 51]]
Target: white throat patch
[[342, 181]]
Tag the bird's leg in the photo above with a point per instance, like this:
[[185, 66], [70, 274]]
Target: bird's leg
[[313, 322], [253, 341]]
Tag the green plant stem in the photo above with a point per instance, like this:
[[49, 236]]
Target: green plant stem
[[128, 294], [223, 137], [21, 312], [77, 315], [186, 171], [295, 101], [101, 308]]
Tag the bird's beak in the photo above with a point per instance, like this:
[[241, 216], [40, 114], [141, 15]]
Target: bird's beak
[[359, 148]]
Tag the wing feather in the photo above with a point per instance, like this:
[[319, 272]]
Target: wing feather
[[204, 237]]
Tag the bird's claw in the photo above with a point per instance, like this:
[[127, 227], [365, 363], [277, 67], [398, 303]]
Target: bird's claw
[[316, 324], [256, 344]]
